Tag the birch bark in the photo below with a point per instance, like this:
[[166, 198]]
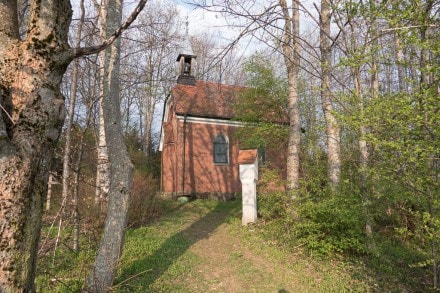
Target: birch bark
[[291, 58], [332, 126], [102, 161]]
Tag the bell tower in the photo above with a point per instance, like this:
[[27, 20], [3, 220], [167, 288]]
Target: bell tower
[[186, 61]]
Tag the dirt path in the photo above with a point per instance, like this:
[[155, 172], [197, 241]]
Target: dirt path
[[227, 265], [215, 252], [201, 247]]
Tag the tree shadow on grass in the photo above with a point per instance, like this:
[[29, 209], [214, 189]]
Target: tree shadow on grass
[[142, 273]]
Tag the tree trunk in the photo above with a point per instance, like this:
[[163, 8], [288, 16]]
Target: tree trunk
[[51, 181], [102, 274], [400, 63], [32, 113], [147, 109], [67, 146], [31, 118], [363, 158], [76, 177], [291, 57], [332, 127], [102, 162], [149, 106]]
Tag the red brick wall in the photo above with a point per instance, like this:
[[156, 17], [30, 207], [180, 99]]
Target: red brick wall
[[195, 172], [169, 155]]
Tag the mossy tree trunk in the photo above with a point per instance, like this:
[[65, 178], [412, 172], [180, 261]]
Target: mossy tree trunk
[[32, 113], [31, 116]]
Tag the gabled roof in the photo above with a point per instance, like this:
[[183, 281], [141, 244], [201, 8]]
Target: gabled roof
[[205, 99]]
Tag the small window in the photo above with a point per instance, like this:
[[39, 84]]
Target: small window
[[221, 147]]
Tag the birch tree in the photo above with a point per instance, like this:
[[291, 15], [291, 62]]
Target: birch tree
[[68, 132], [102, 159], [356, 36], [290, 46], [332, 125]]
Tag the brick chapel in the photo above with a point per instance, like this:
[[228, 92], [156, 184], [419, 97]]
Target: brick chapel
[[199, 154]]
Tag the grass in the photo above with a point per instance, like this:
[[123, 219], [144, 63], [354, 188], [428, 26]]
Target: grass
[[169, 264], [161, 252], [298, 272], [201, 247]]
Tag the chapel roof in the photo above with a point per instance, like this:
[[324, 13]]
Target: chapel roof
[[205, 99]]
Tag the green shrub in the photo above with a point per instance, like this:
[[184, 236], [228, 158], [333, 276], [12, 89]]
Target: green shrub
[[272, 205], [330, 225], [271, 197]]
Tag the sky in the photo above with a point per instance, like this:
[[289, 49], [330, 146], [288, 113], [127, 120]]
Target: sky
[[201, 21]]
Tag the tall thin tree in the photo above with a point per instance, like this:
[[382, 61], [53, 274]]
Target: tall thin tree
[[103, 271], [290, 46], [69, 120], [102, 159], [332, 126]]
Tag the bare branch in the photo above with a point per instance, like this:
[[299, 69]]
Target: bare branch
[[409, 27], [7, 114], [78, 52]]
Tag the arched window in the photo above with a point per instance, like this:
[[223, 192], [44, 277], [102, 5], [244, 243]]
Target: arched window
[[221, 147]]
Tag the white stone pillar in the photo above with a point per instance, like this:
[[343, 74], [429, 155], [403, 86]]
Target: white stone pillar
[[248, 176]]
